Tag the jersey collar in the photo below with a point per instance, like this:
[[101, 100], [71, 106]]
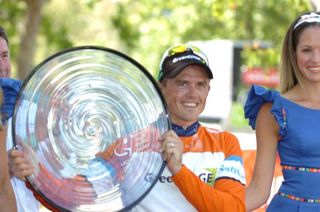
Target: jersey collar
[[186, 131]]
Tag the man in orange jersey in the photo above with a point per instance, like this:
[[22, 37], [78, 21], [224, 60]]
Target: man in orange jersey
[[204, 166]]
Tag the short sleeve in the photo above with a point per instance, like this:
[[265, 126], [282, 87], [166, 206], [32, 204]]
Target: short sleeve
[[258, 96]]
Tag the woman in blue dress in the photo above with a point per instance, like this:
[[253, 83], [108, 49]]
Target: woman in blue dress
[[288, 123]]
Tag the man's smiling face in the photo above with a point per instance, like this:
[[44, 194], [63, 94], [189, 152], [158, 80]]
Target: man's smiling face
[[186, 94]]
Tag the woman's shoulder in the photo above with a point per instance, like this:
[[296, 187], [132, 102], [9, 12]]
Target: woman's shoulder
[[259, 96], [259, 93]]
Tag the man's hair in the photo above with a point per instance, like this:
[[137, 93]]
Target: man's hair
[[3, 34]]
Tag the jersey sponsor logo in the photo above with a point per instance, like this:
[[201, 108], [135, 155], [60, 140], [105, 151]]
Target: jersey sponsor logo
[[185, 58], [207, 177], [232, 167], [150, 177], [165, 179]]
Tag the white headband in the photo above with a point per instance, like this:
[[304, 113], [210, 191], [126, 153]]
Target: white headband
[[312, 17]]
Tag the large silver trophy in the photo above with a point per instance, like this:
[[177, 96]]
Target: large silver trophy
[[89, 119]]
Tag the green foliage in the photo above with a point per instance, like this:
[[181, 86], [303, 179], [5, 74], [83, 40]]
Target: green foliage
[[261, 57], [63, 24], [144, 29], [91, 3], [57, 30], [127, 29], [11, 13], [56, 35], [237, 120], [148, 27]]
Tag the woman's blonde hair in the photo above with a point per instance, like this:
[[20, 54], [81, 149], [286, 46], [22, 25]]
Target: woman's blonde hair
[[290, 74]]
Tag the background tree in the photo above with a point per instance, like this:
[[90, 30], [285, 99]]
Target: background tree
[[28, 42], [148, 27], [142, 29], [40, 28]]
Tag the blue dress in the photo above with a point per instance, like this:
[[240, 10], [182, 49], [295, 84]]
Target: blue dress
[[298, 148]]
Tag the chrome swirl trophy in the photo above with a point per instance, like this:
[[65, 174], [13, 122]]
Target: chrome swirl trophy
[[89, 118]]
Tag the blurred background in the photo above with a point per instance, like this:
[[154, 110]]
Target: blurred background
[[242, 39]]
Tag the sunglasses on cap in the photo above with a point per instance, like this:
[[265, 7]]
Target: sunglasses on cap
[[177, 57], [181, 48]]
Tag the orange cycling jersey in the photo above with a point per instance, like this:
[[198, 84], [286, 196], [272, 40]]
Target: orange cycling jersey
[[212, 177], [223, 189]]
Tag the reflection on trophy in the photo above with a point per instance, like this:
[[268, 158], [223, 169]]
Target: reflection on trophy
[[89, 118]]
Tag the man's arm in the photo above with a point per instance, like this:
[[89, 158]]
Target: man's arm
[[226, 195], [228, 192], [7, 198]]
